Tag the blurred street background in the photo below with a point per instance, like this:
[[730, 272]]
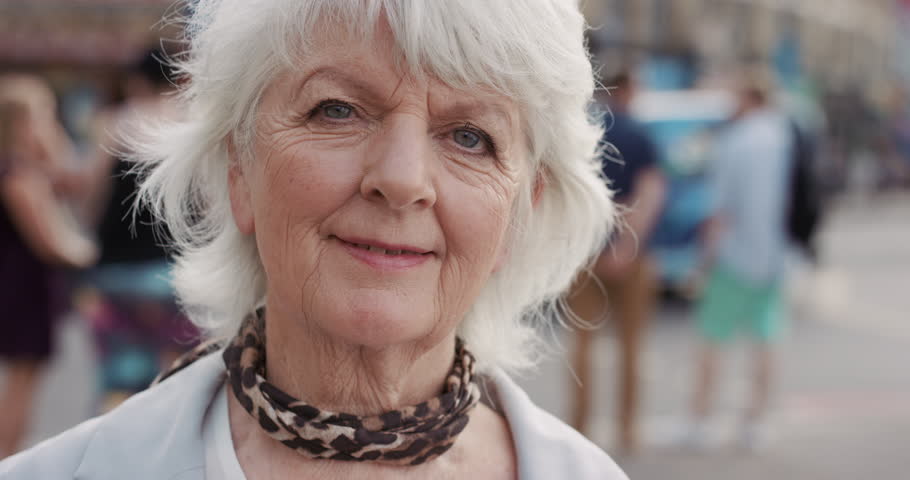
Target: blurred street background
[[840, 399], [841, 409]]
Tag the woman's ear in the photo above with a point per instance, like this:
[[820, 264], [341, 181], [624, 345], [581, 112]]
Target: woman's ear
[[239, 190]]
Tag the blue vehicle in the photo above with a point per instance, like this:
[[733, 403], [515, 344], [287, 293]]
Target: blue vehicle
[[681, 124]]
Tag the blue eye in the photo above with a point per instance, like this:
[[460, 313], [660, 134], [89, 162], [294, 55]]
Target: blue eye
[[337, 111], [466, 138]]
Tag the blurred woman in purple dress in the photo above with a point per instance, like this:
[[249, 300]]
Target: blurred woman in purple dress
[[36, 237]]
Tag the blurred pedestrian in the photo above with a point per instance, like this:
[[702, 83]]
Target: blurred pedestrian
[[744, 251], [804, 210], [36, 237], [623, 284], [130, 303]]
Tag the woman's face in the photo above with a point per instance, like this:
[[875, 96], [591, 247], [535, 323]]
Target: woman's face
[[380, 203]]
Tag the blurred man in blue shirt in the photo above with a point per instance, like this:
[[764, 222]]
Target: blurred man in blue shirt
[[745, 249]]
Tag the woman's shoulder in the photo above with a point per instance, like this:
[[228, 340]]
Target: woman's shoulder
[[545, 446], [58, 457], [159, 429]]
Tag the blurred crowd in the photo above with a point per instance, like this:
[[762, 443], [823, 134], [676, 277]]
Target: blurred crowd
[[718, 182], [72, 241], [724, 186]]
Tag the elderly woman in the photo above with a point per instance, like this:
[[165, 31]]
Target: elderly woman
[[375, 205]]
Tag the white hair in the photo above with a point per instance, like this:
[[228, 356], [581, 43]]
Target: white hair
[[530, 50]]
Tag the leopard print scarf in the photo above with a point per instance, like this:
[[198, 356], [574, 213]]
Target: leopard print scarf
[[409, 436]]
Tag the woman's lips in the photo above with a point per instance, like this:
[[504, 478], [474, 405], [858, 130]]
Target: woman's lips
[[384, 256]]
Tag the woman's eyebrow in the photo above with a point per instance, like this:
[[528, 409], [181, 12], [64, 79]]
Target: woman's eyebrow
[[478, 108], [341, 77]]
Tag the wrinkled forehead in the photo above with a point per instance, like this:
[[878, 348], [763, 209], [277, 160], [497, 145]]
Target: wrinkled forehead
[[416, 42], [373, 69]]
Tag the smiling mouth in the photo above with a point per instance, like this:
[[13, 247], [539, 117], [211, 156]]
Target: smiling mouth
[[384, 251], [380, 250]]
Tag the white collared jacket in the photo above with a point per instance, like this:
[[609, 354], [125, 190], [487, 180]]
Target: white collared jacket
[[157, 435]]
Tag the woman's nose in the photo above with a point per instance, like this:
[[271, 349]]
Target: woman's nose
[[399, 170]]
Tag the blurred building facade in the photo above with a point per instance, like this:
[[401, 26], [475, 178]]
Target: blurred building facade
[[848, 43], [903, 41], [77, 33]]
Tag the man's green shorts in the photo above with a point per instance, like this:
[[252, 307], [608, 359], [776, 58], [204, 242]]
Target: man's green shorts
[[731, 304]]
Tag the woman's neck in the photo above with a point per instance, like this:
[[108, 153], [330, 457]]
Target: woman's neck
[[364, 381], [354, 379]]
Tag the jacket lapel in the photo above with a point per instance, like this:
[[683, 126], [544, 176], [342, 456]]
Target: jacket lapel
[[157, 434]]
